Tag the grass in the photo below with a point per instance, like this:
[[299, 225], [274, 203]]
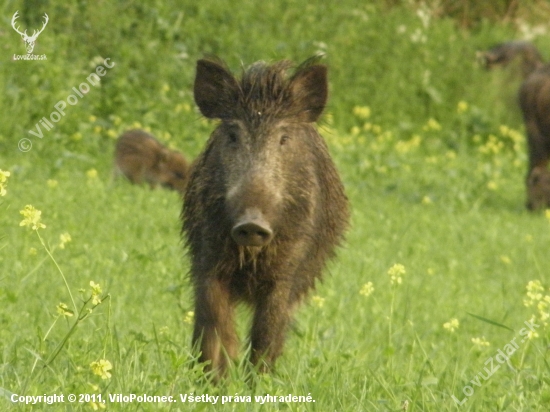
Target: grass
[[432, 154]]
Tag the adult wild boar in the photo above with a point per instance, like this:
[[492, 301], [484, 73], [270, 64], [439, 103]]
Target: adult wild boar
[[264, 207], [142, 158], [534, 101]]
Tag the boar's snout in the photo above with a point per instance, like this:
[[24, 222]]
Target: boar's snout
[[252, 229]]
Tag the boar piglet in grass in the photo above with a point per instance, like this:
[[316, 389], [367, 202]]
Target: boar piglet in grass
[[143, 159]]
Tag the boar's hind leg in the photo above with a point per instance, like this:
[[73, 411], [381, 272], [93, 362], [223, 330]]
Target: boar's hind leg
[[214, 332], [271, 317]]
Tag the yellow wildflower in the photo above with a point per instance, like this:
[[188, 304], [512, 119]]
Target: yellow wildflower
[[432, 124], [63, 310], [189, 316], [534, 289], [492, 185], [116, 120], [452, 325], [65, 238], [96, 406], [52, 184], [395, 273], [462, 106], [92, 174], [3, 179], [367, 289], [318, 300], [480, 342], [505, 259], [362, 112], [102, 368], [450, 154], [31, 218], [96, 291], [92, 118]]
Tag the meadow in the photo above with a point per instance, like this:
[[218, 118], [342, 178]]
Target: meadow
[[437, 301]]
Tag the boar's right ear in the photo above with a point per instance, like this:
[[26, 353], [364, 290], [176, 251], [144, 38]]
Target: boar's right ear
[[309, 91], [216, 90]]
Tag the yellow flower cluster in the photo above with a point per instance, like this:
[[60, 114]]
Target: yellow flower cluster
[[189, 317], [480, 342], [367, 289], [96, 292], [432, 125], [451, 325], [537, 298], [318, 301], [395, 273], [63, 310], [96, 406], [31, 218], [362, 112], [492, 146], [515, 136], [405, 146], [64, 239], [92, 174], [462, 107], [3, 179], [102, 368]]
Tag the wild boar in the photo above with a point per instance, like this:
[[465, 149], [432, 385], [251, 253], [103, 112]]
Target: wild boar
[[534, 101], [264, 207]]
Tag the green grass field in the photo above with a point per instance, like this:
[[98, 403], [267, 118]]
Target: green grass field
[[430, 148]]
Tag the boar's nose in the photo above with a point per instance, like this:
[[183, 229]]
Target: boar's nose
[[252, 230]]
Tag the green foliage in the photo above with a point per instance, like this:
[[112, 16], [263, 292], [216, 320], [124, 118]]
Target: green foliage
[[431, 151]]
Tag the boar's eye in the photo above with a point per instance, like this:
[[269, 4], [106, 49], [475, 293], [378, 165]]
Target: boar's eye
[[284, 139]]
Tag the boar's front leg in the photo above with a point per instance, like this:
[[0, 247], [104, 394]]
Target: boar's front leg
[[271, 318], [214, 332]]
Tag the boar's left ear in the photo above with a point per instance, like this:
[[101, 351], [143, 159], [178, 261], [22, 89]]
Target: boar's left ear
[[216, 90], [309, 91]]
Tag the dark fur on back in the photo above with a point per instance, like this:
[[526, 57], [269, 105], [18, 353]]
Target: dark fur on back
[[264, 160]]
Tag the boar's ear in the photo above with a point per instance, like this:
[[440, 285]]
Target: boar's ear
[[216, 90], [309, 91]]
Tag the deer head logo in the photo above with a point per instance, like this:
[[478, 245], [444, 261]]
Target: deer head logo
[[29, 40]]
